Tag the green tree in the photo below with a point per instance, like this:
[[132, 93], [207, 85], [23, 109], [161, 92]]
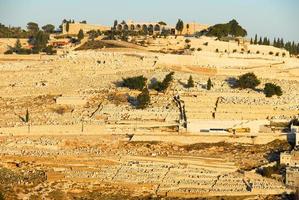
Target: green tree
[[188, 26], [49, 28], [271, 89], [251, 41], [209, 84], [190, 83], [135, 83], [180, 26], [115, 24], [39, 40], [248, 80], [143, 99], [163, 86], [67, 26], [18, 46], [255, 39], [80, 35], [32, 27], [260, 41], [265, 41]]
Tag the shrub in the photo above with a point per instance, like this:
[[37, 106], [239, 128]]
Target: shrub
[[192, 49], [206, 43], [143, 99], [199, 49], [257, 52], [277, 54], [190, 83], [270, 53], [272, 89], [248, 51], [217, 50], [187, 41], [24, 51], [235, 50], [248, 80], [135, 83], [9, 51], [283, 54]]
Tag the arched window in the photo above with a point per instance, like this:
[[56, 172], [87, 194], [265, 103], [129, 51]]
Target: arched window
[[119, 27], [132, 27], [126, 27], [157, 27]]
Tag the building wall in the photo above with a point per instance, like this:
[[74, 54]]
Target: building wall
[[290, 159], [74, 28], [285, 158], [193, 28], [295, 130], [292, 176]]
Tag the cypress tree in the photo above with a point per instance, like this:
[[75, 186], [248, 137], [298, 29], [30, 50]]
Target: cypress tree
[[190, 83], [255, 39], [274, 42], [143, 99], [265, 41], [260, 41], [80, 35], [278, 43]]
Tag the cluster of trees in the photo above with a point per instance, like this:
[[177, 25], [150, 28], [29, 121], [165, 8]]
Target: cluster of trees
[[250, 80], [140, 83], [291, 47], [231, 28], [94, 34], [135, 83], [190, 83], [12, 32], [37, 38], [261, 41], [179, 26]]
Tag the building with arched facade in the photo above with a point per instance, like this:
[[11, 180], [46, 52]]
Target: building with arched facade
[[149, 28]]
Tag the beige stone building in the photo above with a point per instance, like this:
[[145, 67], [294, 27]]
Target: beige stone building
[[150, 27], [156, 27], [292, 176], [74, 28], [292, 171], [290, 159], [193, 27]]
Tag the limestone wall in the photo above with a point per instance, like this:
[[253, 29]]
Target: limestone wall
[[74, 28]]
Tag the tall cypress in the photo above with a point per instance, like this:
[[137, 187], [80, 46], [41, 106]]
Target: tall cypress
[[255, 39]]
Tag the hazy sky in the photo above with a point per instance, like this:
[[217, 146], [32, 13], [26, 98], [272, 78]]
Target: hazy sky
[[273, 18]]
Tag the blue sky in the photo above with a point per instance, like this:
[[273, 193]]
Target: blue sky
[[273, 18]]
